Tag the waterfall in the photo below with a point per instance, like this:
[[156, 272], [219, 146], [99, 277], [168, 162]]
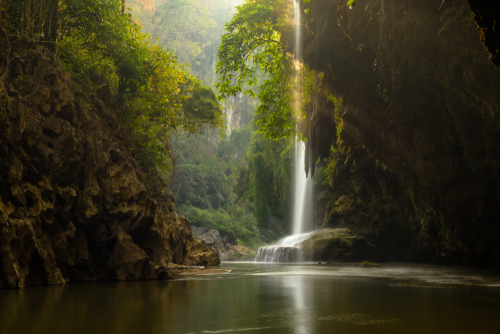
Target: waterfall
[[287, 250], [303, 186], [298, 40], [302, 192]]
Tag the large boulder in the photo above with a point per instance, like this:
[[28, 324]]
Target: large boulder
[[197, 231], [226, 250], [339, 245], [212, 239]]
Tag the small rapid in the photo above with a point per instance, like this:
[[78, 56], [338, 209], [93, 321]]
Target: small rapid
[[286, 250], [279, 254]]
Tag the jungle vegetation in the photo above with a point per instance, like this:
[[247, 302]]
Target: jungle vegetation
[[111, 58], [152, 64], [237, 182]]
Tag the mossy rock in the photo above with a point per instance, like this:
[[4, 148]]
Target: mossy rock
[[339, 245], [238, 256]]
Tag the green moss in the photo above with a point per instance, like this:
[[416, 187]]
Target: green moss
[[238, 256]]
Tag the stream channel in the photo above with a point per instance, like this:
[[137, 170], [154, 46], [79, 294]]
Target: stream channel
[[268, 298]]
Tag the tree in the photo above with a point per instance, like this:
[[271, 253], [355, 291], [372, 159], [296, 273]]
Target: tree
[[105, 50], [190, 28], [252, 46]]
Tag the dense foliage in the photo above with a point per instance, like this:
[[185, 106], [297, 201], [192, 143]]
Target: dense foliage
[[237, 182], [110, 58], [189, 28], [239, 185], [206, 168], [253, 46], [206, 178], [264, 181]]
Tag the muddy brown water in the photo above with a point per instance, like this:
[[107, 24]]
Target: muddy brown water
[[267, 298]]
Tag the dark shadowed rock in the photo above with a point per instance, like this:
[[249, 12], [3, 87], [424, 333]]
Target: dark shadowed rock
[[327, 245], [416, 169], [487, 17], [339, 245]]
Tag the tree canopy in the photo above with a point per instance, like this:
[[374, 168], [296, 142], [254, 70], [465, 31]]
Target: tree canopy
[[110, 58], [252, 60]]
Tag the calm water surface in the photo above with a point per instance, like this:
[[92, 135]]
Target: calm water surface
[[268, 298]]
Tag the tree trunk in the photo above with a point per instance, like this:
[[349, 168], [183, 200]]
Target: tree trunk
[[50, 25]]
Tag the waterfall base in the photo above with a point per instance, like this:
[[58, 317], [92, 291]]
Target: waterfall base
[[335, 245], [279, 254]]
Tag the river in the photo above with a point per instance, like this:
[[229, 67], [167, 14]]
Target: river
[[268, 298]]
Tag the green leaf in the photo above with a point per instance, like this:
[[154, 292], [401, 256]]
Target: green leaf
[[250, 52], [306, 1], [306, 11], [351, 3]]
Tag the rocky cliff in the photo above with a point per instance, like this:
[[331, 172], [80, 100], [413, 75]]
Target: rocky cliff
[[73, 203], [407, 126]]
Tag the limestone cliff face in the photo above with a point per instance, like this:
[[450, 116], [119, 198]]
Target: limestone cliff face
[[415, 159], [73, 204]]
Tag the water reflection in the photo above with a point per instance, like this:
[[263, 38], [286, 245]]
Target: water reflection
[[400, 273], [266, 299]]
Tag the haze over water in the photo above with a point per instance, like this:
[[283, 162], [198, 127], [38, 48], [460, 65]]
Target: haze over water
[[267, 298]]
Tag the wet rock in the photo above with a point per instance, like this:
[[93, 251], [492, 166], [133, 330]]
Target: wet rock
[[128, 260], [324, 246], [338, 245], [198, 254], [73, 204]]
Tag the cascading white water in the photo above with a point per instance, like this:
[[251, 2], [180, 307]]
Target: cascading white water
[[303, 186], [302, 192], [286, 249], [299, 191]]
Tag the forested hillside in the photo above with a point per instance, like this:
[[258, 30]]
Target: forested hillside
[[234, 180]]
